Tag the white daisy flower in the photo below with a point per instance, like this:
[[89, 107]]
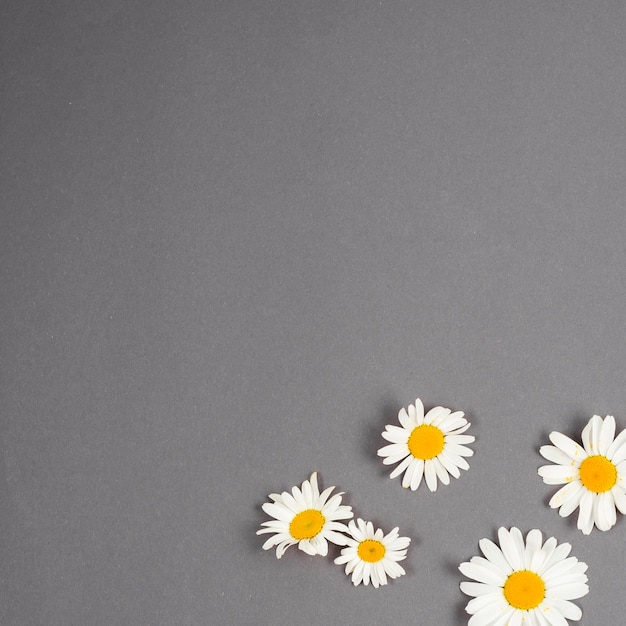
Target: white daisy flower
[[372, 556], [530, 583], [307, 518], [430, 445], [594, 475]]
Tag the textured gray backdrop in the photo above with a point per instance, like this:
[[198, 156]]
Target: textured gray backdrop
[[237, 237]]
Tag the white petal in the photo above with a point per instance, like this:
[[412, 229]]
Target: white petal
[[543, 558], [552, 615], [573, 501], [393, 569], [419, 411], [418, 472], [460, 439], [454, 459], [567, 609], [460, 429], [399, 456], [569, 592], [557, 474], [479, 589], [395, 434], [430, 475], [487, 575], [307, 493], [486, 616], [367, 568], [586, 438], [450, 467], [585, 515], [454, 448], [282, 547], [278, 511], [493, 600], [607, 434], [512, 547], [604, 511], [323, 498], [567, 445], [407, 423], [378, 575], [506, 617], [393, 449], [516, 619], [552, 453], [553, 574], [306, 546], [410, 472], [572, 576], [494, 554], [435, 415], [559, 553], [357, 574], [596, 428], [442, 474], [299, 498], [618, 442], [400, 468], [564, 494], [534, 540], [337, 538], [619, 454], [620, 498], [289, 501]]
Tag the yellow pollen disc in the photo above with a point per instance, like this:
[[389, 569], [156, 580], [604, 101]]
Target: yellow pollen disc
[[371, 550], [524, 590], [598, 474], [307, 524], [426, 442]]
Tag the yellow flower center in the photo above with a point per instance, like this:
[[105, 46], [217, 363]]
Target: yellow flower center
[[371, 550], [307, 524], [598, 474], [426, 442], [524, 590]]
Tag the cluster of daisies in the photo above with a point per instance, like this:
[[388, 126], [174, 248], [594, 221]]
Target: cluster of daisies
[[520, 581], [312, 519]]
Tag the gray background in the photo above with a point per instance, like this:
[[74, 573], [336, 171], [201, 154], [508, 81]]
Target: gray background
[[237, 237]]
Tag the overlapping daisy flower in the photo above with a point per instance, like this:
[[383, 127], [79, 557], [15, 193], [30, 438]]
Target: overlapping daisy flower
[[372, 556], [524, 582], [593, 475], [306, 517], [430, 446]]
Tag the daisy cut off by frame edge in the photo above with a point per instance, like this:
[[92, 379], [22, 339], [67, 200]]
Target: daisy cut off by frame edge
[[529, 583], [307, 518], [430, 446], [372, 556], [593, 475]]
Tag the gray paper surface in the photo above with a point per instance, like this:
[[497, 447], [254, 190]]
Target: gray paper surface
[[237, 237]]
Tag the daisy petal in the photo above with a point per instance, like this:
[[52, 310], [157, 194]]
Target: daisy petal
[[567, 445]]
